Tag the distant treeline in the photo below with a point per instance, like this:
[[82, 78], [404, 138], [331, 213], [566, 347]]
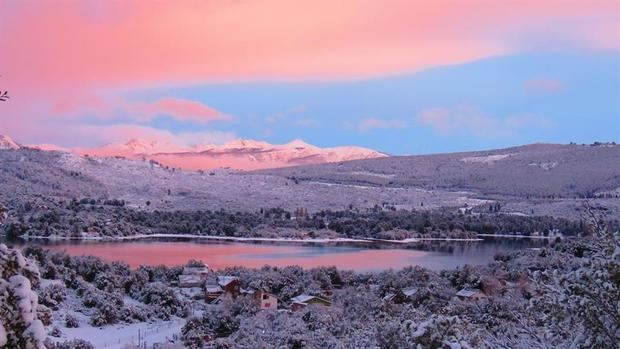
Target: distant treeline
[[113, 218], [352, 224], [425, 222]]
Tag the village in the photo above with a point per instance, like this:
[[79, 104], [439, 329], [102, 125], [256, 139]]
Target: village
[[195, 283]]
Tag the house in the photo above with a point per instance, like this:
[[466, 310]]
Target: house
[[186, 281], [401, 296], [200, 271], [192, 292], [230, 284], [471, 293], [304, 300], [247, 292], [193, 276], [213, 292], [265, 300]]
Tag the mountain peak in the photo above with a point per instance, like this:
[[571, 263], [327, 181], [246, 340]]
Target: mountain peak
[[246, 144], [7, 142], [241, 154], [140, 145], [298, 143]]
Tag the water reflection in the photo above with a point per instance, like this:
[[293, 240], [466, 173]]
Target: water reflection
[[434, 255]]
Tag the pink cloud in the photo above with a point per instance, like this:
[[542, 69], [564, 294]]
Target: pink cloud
[[123, 132], [544, 85], [133, 43], [180, 109], [96, 135], [368, 124], [466, 119], [63, 52]]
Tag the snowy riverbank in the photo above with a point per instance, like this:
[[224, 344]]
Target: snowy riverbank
[[248, 239]]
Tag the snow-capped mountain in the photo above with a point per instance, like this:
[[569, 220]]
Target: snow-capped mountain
[[132, 148], [242, 154], [48, 147], [7, 142]]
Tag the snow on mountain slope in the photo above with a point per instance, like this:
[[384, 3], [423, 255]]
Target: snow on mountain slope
[[240, 154], [7, 142], [48, 147], [132, 148], [253, 155]]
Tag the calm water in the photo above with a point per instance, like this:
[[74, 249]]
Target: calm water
[[361, 257]]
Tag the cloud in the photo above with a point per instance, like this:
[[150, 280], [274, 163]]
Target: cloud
[[55, 51], [306, 122], [544, 85], [123, 132], [368, 124], [96, 135], [280, 116], [60, 44], [180, 109], [176, 108], [469, 120]]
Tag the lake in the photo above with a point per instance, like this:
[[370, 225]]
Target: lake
[[434, 255]]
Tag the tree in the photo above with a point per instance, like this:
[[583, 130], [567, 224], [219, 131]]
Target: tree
[[4, 95], [20, 326]]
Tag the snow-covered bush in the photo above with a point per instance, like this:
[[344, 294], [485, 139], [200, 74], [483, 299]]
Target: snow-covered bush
[[164, 301], [55, 332], [44, 314], [105, 314], [74, 344], [20, 326], [52, 295], [441, 332], [195, 332], [131, 313], [71, 321]]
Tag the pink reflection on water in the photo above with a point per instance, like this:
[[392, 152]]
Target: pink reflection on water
[[248, 255]]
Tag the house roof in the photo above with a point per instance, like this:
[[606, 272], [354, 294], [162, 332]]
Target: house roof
[[410, 291], [302, 298], [305, 298], [389, 296], [213, 288], [195, 270], [468, 292], [189, 278], [225, 280]]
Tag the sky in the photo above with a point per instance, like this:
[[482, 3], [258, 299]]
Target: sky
[[398, 76]]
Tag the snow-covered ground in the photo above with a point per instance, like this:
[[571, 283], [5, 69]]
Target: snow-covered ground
[[117, 336], [489, 159], [110, 336]]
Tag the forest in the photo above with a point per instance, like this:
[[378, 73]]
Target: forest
[[112, 218]]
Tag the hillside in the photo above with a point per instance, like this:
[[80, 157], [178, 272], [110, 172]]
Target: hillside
[[535, 171], [28, 174], [530, 180]]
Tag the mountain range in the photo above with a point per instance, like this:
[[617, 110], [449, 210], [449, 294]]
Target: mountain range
[[239, 154], [535, 179]]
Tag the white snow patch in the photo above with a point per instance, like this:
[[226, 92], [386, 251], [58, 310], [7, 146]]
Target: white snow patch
[[488, 159], [545, 165], [117, 336]]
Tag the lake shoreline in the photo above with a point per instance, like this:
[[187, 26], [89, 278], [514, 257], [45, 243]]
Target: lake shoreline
[[243, 239]]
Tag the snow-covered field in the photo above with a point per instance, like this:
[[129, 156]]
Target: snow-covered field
[[118, 336]]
